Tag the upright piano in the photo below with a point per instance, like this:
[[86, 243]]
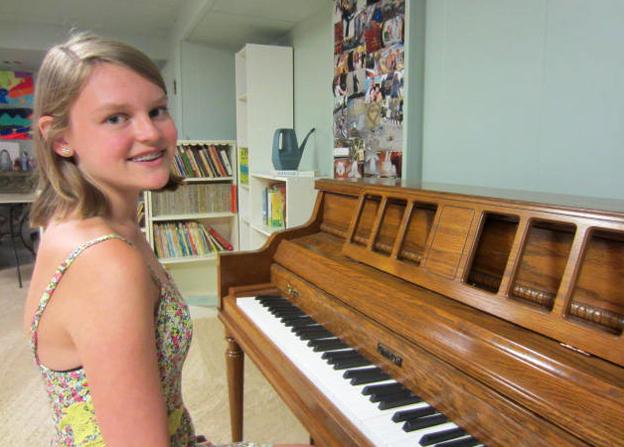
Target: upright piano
[[414, 316]]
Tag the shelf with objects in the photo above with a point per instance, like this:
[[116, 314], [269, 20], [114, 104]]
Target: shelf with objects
[[277, 202], [188, 227]]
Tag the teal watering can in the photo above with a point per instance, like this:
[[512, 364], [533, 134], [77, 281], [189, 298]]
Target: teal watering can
[[286, 152]]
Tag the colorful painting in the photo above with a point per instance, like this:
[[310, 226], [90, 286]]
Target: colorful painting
[[368, 84], [16, 102]]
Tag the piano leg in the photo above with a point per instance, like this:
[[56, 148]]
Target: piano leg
[[234, 359]]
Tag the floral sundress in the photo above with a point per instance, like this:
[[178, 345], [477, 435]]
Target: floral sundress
[[70, 397]]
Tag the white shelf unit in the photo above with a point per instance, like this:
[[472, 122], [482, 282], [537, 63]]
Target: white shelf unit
[[196, 276], [264, 102], [299, 201]]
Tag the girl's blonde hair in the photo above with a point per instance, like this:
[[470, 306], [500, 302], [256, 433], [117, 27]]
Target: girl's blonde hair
[[62, 187]]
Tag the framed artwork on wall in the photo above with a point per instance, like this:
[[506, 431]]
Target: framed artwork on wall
[[16, 102]]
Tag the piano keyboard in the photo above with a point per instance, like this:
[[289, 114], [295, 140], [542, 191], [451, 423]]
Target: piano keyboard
[[380, 407]]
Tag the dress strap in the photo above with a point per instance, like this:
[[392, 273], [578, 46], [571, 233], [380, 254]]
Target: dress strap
[[56, 278]]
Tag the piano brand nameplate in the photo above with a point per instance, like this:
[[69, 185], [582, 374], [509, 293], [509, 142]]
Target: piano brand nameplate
[[389, 354]]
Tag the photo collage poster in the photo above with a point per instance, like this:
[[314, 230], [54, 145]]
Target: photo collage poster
[[368, 88]]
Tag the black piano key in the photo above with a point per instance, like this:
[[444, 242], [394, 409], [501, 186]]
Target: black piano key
[[324, 345], [281, 306], [334, 355], [382, 397], [315, 329], [354, 362], [399, 401], [309, 328], [406, 415], [276, 302], [385, 388], [441, 436], [364, 376], [264, 298], [324, 333], [281, 313], [463, 442], [424, 422], [297, 321]]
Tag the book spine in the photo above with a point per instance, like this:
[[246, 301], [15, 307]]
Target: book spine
[[226, 161], [234, 198], [198, 162], [212, 244], [195, 169], [170, 244], [188, 169], [202, 155], [213, 168], [220, 239], [217, 161]]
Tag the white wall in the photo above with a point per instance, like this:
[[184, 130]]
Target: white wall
[[206, 93], [525, 95]]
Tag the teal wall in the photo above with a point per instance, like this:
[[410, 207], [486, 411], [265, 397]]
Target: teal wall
[[414, 78], [312, 42], [525, 95], [206, 93]]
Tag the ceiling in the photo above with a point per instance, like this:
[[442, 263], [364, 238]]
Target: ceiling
[[29, 27]]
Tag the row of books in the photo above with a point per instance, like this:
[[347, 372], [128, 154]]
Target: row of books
[[203, 160], [274, 205], [174, 240], [195, 198]]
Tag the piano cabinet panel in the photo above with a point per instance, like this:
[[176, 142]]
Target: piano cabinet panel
[[493, 247], [389, 224], [520, 262], [337, 212], [366, 219], [598, 297], [420, 224], [487, 415], [542, 262]]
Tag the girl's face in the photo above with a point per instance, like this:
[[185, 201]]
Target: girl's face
[[121, 132]]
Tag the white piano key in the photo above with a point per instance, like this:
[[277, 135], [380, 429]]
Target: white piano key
[[374, 423]]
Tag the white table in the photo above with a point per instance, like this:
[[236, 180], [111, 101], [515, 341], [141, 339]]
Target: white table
[[13, 201]]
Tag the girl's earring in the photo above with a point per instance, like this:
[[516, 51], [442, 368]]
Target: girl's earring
[[67, 151]]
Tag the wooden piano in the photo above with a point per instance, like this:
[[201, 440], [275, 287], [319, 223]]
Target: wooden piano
[[500, 317]]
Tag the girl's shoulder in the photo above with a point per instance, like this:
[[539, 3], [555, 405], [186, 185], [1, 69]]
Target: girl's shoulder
[[86, 250]]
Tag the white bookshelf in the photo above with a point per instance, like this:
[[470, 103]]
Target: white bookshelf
[[196, 276], [264, 102], [299, 200]]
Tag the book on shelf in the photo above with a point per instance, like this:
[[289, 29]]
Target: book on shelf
[[234, 197], [141, 212], [243, 165], [216, 162], [226, 162], [189, 238], [202, 160], [274, 205]]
